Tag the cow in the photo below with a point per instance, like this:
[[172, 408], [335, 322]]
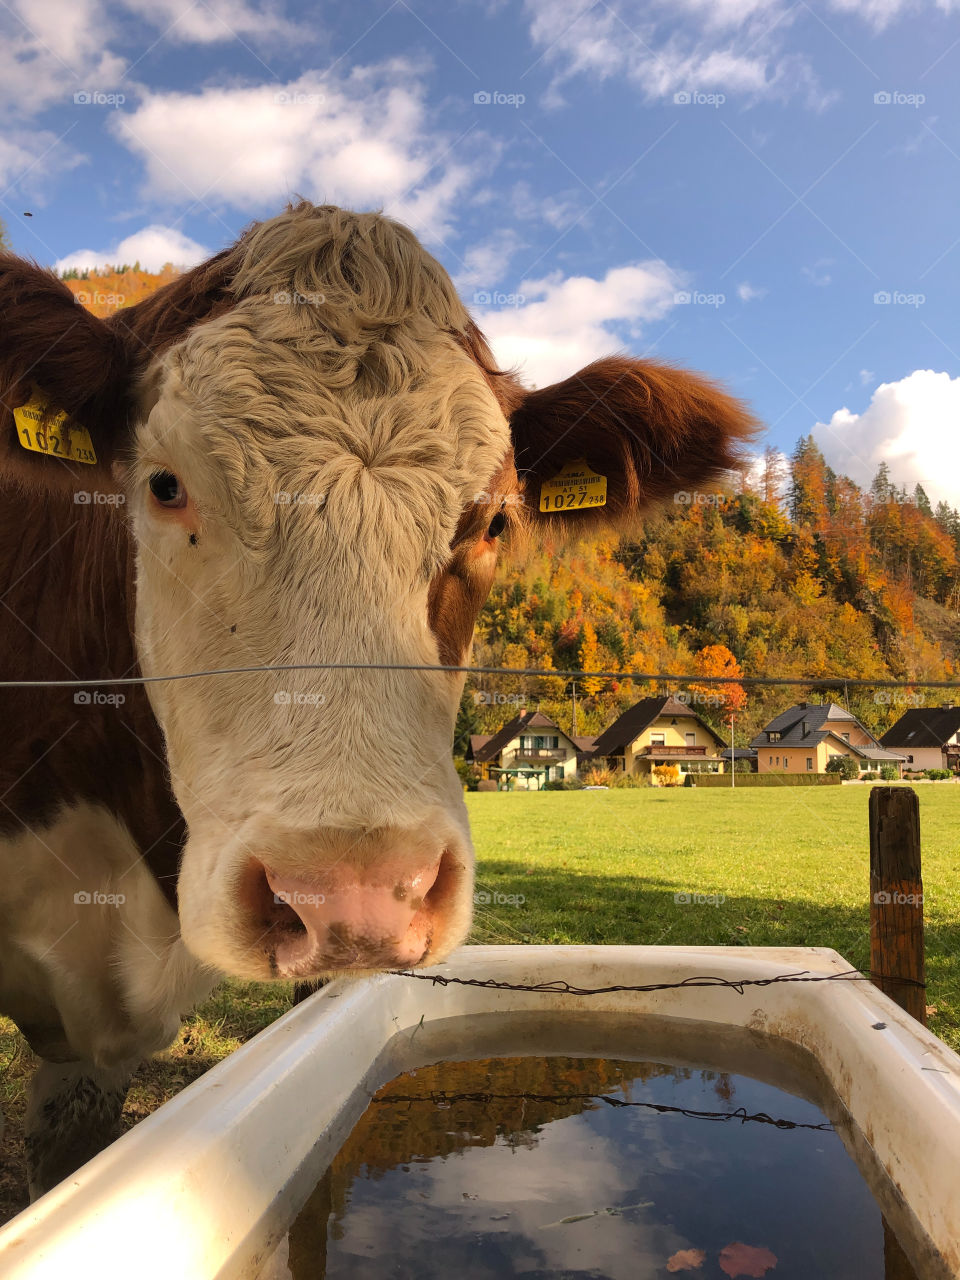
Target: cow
[[301, 452]]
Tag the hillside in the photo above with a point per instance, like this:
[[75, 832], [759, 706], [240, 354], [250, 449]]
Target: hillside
[[799, 573], [107, 290], [826, 580]]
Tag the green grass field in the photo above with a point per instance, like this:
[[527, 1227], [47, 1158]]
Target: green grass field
[[791, 865]]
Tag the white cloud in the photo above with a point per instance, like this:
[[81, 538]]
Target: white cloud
[[911, 425], [211, 20], [484, 265], [16, 157], [866, 376], [734, 47], [669, 46], [818, 274], [747, 292], [559, 210], [50, 51], [773, 472], [153, 248], [563, 324], [880, 13], [362, 141], [53, 50]]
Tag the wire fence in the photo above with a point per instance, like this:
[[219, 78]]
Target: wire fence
[[443, 1098], [559, 986], [640, 677]]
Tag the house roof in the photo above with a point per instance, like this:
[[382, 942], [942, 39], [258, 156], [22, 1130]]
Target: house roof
[[739, 753], [584, 745], [478, 740], [878, 753], [639, 717], [807, 724], [525, 721], [923, 727]]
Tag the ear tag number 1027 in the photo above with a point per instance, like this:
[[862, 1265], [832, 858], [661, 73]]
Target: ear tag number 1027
[[41, 428], [575, 488]]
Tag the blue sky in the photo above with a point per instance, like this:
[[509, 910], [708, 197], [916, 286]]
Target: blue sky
[[735, 185]]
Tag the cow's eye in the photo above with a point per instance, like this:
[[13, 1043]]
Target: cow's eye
[[167, 489], [497, 525]]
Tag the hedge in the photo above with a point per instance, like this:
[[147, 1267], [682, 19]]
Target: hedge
[[764, 780]]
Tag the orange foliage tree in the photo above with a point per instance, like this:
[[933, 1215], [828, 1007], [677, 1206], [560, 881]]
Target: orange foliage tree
[[717, 660]]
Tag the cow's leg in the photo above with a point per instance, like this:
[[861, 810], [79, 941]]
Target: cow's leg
[[72, 1113]]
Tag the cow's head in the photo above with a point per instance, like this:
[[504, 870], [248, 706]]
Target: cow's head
[[319, 461]]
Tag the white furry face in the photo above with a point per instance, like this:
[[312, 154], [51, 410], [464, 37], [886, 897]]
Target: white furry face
[[320, 475]]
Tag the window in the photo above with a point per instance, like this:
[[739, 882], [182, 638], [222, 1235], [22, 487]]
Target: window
[[778, 762], [658, 739], [771, 759], [810, 764], [691, 739], [773, 737]]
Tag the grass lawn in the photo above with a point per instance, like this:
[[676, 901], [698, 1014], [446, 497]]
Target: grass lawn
[[792, 866]]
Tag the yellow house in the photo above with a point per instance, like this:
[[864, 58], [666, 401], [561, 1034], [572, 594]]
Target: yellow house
[[662, 730], [526, 753], [803, 739]]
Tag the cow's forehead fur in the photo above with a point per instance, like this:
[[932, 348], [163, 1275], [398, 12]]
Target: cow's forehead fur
[[334, 380]]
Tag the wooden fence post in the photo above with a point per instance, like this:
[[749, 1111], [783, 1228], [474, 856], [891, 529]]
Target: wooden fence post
[[896, 898]]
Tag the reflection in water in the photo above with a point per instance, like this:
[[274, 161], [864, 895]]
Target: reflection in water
[[599, 1170]]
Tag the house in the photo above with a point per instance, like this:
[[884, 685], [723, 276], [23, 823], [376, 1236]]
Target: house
[[929, 737], [660, 730], [803, 739], [745, 757], [527, 752]]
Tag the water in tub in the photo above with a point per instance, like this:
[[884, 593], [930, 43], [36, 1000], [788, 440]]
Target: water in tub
[[599, 1170]]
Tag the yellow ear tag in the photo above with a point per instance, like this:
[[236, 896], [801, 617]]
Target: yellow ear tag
[[576, 486], [41, 429]]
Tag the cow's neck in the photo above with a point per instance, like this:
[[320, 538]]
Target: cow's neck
[[66, 612]]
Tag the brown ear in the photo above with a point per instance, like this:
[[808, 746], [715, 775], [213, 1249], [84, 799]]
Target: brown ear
[[48, 340], [650, 429], [164, 317], [86, 366]]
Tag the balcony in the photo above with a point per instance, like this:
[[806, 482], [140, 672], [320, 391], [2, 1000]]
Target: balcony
[[681, 749], [541, 753]]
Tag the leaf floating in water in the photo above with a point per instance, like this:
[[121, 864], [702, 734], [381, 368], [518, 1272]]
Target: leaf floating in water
[[686, 1260], [739, 1259]]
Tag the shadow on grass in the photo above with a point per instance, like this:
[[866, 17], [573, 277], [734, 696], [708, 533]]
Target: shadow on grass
[[560, 907]]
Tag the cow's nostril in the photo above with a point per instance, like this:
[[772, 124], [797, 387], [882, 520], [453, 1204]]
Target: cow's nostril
[[272, 912], [443, 890]]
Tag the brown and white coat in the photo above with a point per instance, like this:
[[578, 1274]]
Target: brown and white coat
[[306, 454]]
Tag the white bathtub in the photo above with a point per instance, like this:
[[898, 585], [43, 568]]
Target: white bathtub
[[207, 1185]]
